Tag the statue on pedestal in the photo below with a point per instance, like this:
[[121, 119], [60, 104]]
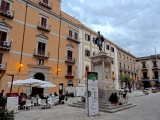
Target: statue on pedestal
[[99, 40]]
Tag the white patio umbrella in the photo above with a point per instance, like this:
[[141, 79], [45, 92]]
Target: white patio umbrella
[[15, 83], [47, 85], [33, 83]]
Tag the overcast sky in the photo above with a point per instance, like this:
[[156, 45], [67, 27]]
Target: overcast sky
[[134, 25]]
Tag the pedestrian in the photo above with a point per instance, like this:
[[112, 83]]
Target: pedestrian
[[1, 94], [125, 94], [111, 98], [115, 99]]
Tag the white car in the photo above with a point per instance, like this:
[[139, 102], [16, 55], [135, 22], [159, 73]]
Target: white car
[[152, 88]]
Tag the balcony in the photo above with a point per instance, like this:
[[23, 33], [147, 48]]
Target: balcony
[[70, 59], [47, 4], [4, 45], [146, 78], [41, 54], [6, 13], [3, 67], [45, 27], [73, 38], [70, 75]]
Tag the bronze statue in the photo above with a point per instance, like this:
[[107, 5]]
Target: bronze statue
[[99, 40]]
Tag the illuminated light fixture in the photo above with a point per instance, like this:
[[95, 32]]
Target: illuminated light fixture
[[21, 65], [59, 69]]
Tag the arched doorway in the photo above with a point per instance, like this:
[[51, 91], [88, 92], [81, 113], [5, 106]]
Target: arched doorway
[[35, 90]]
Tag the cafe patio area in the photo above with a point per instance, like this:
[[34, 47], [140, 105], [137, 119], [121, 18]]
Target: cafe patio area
[[147, 108]]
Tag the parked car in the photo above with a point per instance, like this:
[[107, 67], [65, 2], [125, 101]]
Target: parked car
[[152, 88]]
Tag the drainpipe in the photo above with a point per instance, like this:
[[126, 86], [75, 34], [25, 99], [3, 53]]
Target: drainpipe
[[59, 42], [23, 35]]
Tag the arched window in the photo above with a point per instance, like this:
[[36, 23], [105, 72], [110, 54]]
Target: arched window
[[70, 83]]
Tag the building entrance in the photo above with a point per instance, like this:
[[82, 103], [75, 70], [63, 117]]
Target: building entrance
[[35, 90]]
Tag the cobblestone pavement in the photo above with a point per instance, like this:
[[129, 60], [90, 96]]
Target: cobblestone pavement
[[148, 108]]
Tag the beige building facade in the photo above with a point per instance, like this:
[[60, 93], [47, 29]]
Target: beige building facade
[[38, 40], [148, 68], [88, 49], [127, 64]]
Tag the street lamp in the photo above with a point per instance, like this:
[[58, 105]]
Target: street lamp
[[21, 65]]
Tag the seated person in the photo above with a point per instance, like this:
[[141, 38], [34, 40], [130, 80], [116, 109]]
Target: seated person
[[55, 94], [23, 101], [115, 99], [111, 98], [83, 98], [41, 96]]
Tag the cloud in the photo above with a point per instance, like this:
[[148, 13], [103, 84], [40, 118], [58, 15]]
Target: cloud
[[131, 24]]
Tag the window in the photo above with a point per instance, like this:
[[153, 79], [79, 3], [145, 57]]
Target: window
[[155, 75], [124, 65], [5, 6], [154, 64], [1, 55], [87, 53], [145, 75], [69, 70], [134, 69], [123, 57], [3, 36], [45, 1], [93, 53], [112, 49], [87, 68], [94, 40], [76, 36], [70, 83], [119, 55], [40, 62], [41, 48], [70, 33], [87, 37], [112, 62], [107, 47], [43, 22], [69, 55], [120, 65], [143, 65], [128, 67]]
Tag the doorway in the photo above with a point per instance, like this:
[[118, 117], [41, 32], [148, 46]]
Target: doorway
[[60, 88], [35, 90]]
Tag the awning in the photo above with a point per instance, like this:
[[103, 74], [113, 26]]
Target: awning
[[149, 80]]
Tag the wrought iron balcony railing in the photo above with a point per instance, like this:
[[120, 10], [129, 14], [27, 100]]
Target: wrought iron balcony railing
[[70, 74], [7, 13], [44, 27], [70, 59], [4, 45], [41, 53], [73, 38], [46, 4]]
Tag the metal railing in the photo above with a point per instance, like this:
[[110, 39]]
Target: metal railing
[[70, 59], [4, 10], [41, 53], [73, 37], [70, 73], [46, 4], [3, 66], [45, 26], [5, 44]]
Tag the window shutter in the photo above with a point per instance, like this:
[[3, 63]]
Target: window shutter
[[76, 36], [7, 6], [70, 33], [1, 55], [88, 37], [3, 36]]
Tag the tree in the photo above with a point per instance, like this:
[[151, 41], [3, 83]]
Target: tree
[[127, 80]]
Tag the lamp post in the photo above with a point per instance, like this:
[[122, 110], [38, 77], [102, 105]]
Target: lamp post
[[11, 82]]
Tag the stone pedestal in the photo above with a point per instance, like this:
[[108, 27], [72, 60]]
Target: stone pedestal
[[101, 63]]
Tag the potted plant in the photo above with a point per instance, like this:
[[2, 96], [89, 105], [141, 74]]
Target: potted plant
[[6, 115], [154, 91]]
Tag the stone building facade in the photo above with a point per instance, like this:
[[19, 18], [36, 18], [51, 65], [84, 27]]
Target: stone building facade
[[148, 71]]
